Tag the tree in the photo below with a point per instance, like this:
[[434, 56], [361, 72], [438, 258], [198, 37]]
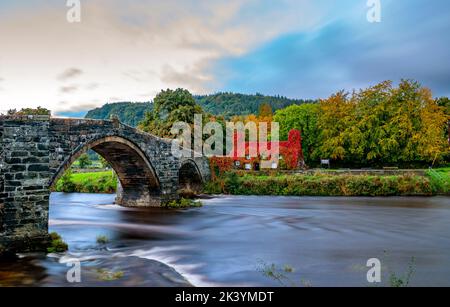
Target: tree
[[104, 163], [382, 125], [265, 110], [303, 118], [84, 161], [444, 102], [170, 106], [29, 111], [66, 184]]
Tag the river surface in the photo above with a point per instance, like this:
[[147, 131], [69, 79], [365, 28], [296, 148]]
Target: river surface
[[234, 241]]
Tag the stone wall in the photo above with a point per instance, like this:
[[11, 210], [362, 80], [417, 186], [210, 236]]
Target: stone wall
[[24, 180], [70, 138]]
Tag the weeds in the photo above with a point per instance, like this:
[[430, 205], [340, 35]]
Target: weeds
[[106, 275], [101, 239], [183, 203], [280, 275], [57, 245]]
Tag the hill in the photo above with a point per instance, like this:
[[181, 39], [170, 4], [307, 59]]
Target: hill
[[226, 104], [129, 113], [230, 104]]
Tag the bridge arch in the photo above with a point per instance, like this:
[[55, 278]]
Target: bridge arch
[[189, 176], [138, 182]]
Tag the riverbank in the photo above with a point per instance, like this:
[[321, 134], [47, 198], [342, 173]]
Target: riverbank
[[326, 184], [91, 182], [432, 182]]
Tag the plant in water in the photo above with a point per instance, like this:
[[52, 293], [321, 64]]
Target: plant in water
[[183, 203], [280, 275], [106, 275], [402, 281], [101, 239], [57, 245]]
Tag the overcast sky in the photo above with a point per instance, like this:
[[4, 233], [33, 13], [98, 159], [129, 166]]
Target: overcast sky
[[124, 50]]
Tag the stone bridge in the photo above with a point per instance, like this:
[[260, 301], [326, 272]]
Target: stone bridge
[[35, 151]]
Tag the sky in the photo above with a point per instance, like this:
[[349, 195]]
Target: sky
[[125, 50]]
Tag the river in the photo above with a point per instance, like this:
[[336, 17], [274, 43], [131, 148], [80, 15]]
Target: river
[[233, 241]]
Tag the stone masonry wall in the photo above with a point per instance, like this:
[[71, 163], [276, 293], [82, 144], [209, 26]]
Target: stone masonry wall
[[24, 178], [71, 135]]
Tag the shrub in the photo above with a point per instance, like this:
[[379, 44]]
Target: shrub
[[102, 239], [57, 245], [183, 203], [106, 275], [320, 185]]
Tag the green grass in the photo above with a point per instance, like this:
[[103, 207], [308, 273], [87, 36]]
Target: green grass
[[322, 185], [436, 181], [440, 179], [95, 182]]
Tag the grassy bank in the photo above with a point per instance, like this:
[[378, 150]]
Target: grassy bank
[[241, 183], [327, 185], [440, 179], [95, 182]]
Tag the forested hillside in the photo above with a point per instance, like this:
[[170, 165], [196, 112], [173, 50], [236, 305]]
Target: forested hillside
[[226, 104], [230, 104], [128, 112]]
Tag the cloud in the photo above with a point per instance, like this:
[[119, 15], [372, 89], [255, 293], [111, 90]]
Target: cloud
[[302, 48], [68, 89], [349, 54], [92, 86], [76, 108], [195, 78], [70, 73], [165, 43]]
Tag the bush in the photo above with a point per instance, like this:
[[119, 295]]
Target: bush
[[183, 203], [65, 183], [102, 239], [57, 245], [320, 185]]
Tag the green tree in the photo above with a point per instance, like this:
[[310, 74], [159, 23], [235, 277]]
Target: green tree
[[30, 111], [382, 125], [444, 102], [84, 161], [65, 183], [304, 118], [170, 106], [265, 110], [103, 162]]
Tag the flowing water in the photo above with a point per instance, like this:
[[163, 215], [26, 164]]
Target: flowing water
[[232, 241]]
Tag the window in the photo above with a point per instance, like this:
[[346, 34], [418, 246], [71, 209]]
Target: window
[[248, 166], [237, 163]]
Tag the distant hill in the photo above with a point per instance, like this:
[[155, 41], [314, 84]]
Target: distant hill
[[230, 104], [226, 104], [129, 113]]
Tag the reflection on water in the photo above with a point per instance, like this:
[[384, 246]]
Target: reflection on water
[[326, 240]]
